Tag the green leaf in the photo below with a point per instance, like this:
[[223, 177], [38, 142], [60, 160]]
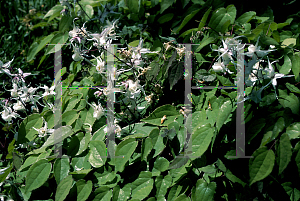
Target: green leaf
[[97, 157], [103, 193], [224, 81], [165, 4], [285, 152], [174, 192], [182, 197], [201, 139], [246, 17], [26, 133], [32, 159], [10, 149], [65, 23], [261, 165], [296, 65], [291, 101], [288, 42], [293, 130], [292, 88], [278, 127], [142, 186], [157, 141], [224, 113], [178, 162], [204, 191], [255, 128], [287, 65], [60, 38], [146, 148], [287, 22], [134, 43], [69, 117], [133, 6], [58, 135], [204, 43], [188, 32], [161, 164], [184, 3], [293, 192], [175, 73], [123, 152], [142, 128], [229, 174], [36, 48], [37, 175], [5, 173], [99, 134], [268, 40], [54, 11], [156, 116], [204, 19], [162, 184], [84, 142], [63, 188], [83, 189], [89, 11], [266, 138], [186, 20], [29, 161], [118, 194], [222, 17], [61, 169], [71, 103], [104, 175], [261, 19], [165, 18]]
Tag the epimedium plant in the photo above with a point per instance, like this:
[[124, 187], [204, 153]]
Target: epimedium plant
[[152, 145]]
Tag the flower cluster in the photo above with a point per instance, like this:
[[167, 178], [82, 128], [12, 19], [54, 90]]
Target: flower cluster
[[21, 93], [254, 72], [131, 59]]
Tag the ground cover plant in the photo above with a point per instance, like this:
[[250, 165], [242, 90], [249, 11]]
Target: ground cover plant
[[151, 131]]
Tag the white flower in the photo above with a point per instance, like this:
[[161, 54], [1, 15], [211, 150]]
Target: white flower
[[18, 106], [22, 75], [98, 93], [4, 67], [273, 76], [100, 64], [167, 45], [180, 51], [133, 86], [98, 111], [256, 49], [218, 66], [149, 98], [7, 114], [74, 32], [14, 91], [255, 75], [76, 56], [137, 51], [226, 53], [118, 130], [44, 130], [48, 91]]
